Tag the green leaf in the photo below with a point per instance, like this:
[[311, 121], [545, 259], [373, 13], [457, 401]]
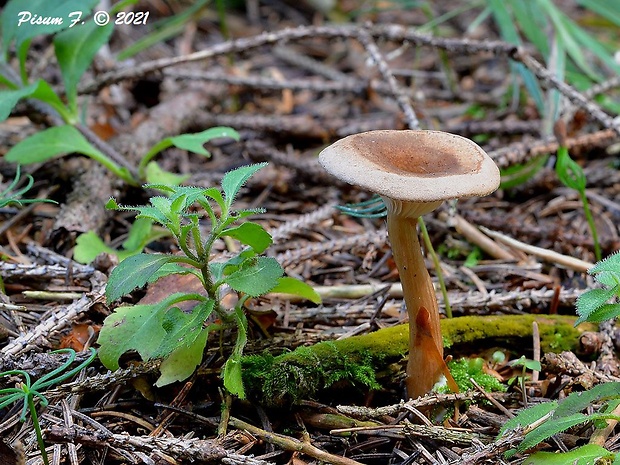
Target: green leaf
[[133, 327], [603, 313], [88, 246], [527, 363], [590, 454], [610, 263], [604, 8], [50, 143], [137, 327], [528, 416], [578, 401], [557, 425], [235, 179], [13, 30], [132, 273], [251, 234], [9, 98], [516, 175], [591, 300], [609, 279], [569, 172], [139, 234], [255, 276], [183, 328], [194, 142], [532, 22], [75, 49], [46, 94], [288, 285], [155, 174], [233, 380], [181, 363], [175, 268]]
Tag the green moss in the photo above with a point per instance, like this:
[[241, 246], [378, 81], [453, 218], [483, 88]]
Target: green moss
[[557, 332], [301, 374], [361, 360], [465, 368]]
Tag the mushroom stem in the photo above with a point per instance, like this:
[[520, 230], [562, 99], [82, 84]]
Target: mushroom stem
[[423, 368]]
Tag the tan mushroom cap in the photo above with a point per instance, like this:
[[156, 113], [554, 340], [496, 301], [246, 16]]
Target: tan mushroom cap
[[418, 166]]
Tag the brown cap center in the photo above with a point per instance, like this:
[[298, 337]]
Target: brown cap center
[[411, 156]]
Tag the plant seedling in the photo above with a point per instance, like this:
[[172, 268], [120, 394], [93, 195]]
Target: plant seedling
[[572, 176], [27, 391], [162, 330], [8, 196], [525, 364]]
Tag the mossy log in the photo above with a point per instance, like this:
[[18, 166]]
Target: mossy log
[[362, 360]]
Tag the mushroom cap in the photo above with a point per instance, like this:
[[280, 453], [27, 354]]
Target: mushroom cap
[[418, 166]]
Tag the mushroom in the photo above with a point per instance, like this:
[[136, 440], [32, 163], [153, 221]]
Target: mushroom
[[414, 171]]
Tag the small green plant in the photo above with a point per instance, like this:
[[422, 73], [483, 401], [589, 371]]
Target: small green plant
[[542, 421], [525, 364], [597, 305], [76, 41], [27, 391], [162, 330], [572, 176], [10, 196]]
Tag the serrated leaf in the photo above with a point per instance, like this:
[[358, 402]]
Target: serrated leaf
[[50, 143], [255, 276], [155, 174], [528, 416], [194, 142], [610, 263], [135, 327], [590, 454], [251, 234], [288, 285], [550, 428], [578, 401], [132, 273], [603, 313], [608, 278], [75, 49], [148, 212], [235, 179], [592, 299]]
